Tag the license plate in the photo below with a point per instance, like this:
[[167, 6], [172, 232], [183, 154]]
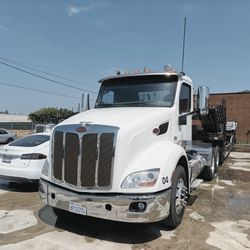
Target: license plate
[[77, 208], [6, 159]]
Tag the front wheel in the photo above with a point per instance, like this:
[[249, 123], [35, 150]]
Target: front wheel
[[178, 198]]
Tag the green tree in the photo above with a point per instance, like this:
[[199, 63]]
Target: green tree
[[50, 115]]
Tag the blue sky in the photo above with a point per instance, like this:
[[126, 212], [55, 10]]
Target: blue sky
[[87, 40]]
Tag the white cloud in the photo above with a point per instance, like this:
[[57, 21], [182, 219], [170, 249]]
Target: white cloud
[[75, 10]]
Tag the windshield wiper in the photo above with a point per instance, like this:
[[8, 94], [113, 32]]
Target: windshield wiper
[[107, 105], [123, 104], [136, 104], [104, 105]]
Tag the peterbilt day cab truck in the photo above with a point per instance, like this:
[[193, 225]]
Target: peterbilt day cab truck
[[131, 157]]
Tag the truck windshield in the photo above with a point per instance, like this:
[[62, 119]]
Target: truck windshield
[[144, 91]]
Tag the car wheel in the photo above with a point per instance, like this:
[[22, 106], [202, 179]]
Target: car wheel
[[10, 140], [178, 198]]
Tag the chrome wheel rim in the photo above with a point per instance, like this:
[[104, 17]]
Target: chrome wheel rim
[[181, 192]]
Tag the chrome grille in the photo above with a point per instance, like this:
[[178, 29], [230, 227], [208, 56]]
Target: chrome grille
[[83, 160], [105, 159], [71, 158], [89, 157], [58, 154]]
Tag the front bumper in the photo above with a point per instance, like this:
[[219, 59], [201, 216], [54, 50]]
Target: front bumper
[[112, 207]]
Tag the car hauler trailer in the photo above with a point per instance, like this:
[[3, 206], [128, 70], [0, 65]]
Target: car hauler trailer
[[214, 130], [131, 158]]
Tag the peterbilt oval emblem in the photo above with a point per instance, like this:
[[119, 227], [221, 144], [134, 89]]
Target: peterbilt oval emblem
[[81, 129]]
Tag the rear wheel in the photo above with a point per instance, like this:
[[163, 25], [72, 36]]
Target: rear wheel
[[178, 198], [217, 158], [209, 171]]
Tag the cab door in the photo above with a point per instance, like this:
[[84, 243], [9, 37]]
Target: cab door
[[185, 119]]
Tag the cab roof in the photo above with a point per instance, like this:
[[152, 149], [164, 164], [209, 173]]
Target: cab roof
[[180, 76]]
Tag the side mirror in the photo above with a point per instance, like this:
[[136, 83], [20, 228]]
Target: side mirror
[[203, 95], [85, 102]]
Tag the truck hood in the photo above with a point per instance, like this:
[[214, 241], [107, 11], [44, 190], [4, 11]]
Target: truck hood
[[124, 118], [135, 137]]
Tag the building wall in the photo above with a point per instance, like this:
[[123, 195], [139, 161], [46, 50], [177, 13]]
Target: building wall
[[14, 118], [238, 109], [15, 122]]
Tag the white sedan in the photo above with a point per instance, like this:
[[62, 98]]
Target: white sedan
[[6, 136], [23, 159]]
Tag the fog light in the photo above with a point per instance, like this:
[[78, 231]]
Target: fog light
[[141, 205], [137, 207]]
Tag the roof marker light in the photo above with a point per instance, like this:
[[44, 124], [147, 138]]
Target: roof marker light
[[169, 69]]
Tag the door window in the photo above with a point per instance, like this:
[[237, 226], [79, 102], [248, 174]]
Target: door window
[[185, 98]]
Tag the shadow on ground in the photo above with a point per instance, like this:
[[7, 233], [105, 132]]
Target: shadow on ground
[[18, 187], [120, 232]]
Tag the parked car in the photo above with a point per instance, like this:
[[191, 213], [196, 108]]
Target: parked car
[[39, 128], [23, 159], [6, 136]]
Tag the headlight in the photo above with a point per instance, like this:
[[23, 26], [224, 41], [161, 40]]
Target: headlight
[[45, 169], [141, 179]]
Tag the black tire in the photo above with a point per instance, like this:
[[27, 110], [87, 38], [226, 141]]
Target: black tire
[[216, 153], [10, 140], [178, 198], [222, 154], [209, 171]]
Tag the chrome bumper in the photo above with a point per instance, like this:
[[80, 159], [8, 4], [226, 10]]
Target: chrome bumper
[[113, 207]]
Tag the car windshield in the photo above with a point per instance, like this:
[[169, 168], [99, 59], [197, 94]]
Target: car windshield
[[143, 91], [30, 141]]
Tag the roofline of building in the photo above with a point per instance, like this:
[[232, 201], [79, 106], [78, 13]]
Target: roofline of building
[[232, 93]]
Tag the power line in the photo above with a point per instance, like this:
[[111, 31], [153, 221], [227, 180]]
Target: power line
[[44, 72], [37, 90], [45, 78]]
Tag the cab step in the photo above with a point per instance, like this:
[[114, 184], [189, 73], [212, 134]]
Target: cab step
[[196, 184]]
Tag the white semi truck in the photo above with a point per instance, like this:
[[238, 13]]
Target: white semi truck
[[131, 158]]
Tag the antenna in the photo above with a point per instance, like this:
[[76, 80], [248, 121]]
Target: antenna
[[183, 44]]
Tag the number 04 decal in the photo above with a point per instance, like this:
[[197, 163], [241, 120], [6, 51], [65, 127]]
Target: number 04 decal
[[164, 180]]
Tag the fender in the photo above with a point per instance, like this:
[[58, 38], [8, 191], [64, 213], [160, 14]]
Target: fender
[[164, 155]]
